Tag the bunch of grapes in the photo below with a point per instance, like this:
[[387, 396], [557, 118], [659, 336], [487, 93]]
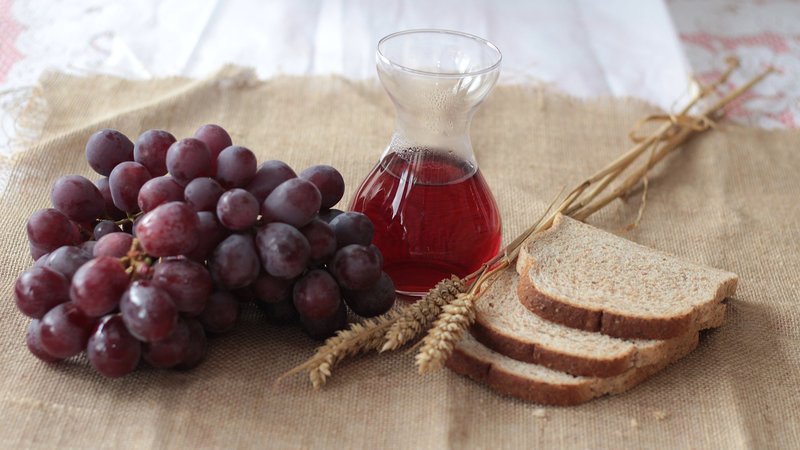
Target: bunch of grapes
[[162, 250]]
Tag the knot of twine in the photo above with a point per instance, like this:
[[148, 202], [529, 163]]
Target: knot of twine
[[678, 122]]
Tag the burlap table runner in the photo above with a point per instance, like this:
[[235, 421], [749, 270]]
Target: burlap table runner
[[729, 200]]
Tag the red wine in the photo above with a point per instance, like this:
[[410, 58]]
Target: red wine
[[434, 216]]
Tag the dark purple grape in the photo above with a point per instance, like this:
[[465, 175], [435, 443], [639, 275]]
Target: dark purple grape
[[197, 345], [84, 229], [125, 181], [148, 311], [216, 138], [78, 198], [295, 201], [316, 295], [377, 252], [236, 166], [34, 342], [65, 330], [373, 301], [88, 247], [237, 210], [279, 313], [158, 191], [352, 228], [114, 245], [203, 194], [112, 349], [270, 289], [188, 159], [41, 261], [107, 148], [321, 239], [98, 285], [49, 229], [271, 174], [211, 232], [327, 215], [170, 351], [111, 210], [234, 263], [40, 289], [329, 182], [355, 267], [187, 282], [103, 228], [37, 253], [324, 328], [284, 251], [221, 313], [67, 260], [169, 230], [150, 151]]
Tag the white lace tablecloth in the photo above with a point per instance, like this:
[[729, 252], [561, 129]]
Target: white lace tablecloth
[[644, 49]]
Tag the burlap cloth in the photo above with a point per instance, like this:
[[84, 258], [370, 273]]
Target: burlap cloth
[[729, 200]]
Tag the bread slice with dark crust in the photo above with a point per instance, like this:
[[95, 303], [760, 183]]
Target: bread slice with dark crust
[[582, 277], [536, 383], [504, 325]]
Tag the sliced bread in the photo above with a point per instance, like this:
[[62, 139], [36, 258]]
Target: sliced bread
[[582, 277], [504, 325], [536, 383]]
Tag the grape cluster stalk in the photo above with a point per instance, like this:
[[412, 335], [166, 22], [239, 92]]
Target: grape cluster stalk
[[162, 250]]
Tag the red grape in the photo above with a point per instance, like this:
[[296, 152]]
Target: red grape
[[237, 210], [78, 198], [234, 263], [329, 182], [268, 177], [324, 328], [65, 330], [40, 289], [170, 351], [212, 233], [49, 229], [111, 211], [327, 215], [107, 148], [197, 345], [203, 194], [169, 230], [352, 228], [158, 191], [103, 228], [321, 239], [148, 311], [295, 201], [270, 289], [284, 251], [67, 260], [188, 159], [374, 300], [150, 151], [221, 312], [216, 138], [356, 267], [187, 282], [112, 350], [115, 245], [34, 342], [316, 295], [125, 181], [236, 166], [98, 285]]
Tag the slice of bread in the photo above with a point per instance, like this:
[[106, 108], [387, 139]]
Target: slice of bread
[[582, 277], [504, 325], [536, 383]]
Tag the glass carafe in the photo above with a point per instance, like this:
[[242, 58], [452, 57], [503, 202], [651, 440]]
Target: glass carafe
[[433, 212]]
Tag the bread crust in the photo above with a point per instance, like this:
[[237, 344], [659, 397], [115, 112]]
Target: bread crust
[[609, 323], [538, 354]]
